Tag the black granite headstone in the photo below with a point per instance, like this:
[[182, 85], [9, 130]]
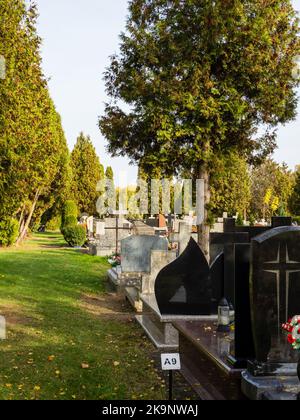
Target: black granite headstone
[[217, 282], [218, 240], [183, 287], [275, 295], [281, 221], [229, 225], [224, 242], [243, 344]]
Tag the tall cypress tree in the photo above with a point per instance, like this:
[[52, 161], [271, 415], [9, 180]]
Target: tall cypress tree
[[31, 137], [87, 172]]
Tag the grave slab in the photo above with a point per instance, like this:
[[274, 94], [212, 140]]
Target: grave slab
[[159, 328], [204, 361]]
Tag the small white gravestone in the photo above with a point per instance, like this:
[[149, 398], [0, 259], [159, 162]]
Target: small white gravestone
[[2, 328], [90, 224], [100, 228], [170, 361], [2, 67]]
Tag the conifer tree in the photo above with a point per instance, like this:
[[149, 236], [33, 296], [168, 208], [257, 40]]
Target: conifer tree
[[199, 78], [87, 172], [31, 137]]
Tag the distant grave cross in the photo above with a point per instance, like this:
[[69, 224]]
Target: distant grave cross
[[182, 237], [282, 267]]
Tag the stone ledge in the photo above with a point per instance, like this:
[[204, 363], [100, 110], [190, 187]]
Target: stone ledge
[[154, 334], [272, 387]]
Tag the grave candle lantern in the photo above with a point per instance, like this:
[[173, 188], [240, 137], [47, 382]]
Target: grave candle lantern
[[224, 316], [231, 313]]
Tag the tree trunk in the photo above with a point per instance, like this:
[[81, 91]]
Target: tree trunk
[[204, 228], [21, 217], [24, 229]]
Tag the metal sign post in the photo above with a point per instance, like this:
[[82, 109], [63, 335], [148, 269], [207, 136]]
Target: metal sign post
[[170, 362]]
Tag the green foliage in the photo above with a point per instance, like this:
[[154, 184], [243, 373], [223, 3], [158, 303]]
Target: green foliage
[[252, 220], [271, 188], [198, 79], [70, 221], [230, 185], [75, 235], [70, 209], [9, 230], [240, 221], [54, 224], [69, 215], [32, 143], [87, 172], [109, 173], [294, 202]]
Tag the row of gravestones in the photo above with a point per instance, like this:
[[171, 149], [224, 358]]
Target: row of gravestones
[[271, 260], [262, 276], [258, 270]]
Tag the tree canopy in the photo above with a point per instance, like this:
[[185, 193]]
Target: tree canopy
[[198, 79]]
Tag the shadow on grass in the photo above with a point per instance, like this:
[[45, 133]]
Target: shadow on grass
[[116, 356]]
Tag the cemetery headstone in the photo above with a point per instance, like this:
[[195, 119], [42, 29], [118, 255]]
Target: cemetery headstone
[[275, 294], [100, 229], [162, 223], [243, 349], [182, 237], [184, 287], [159, 259], [136, 252], [217, 282], [90, 224], [141, 228], [281, 221]]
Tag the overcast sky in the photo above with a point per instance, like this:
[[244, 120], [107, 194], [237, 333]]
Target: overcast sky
[[78, 37]]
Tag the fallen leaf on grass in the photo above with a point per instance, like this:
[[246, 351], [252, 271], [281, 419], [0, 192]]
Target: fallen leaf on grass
[[85, 366], [51, 358]]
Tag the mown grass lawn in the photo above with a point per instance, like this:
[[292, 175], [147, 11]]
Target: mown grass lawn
[[67, 338]]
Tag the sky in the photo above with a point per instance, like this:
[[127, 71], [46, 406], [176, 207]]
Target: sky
[[78, 38]]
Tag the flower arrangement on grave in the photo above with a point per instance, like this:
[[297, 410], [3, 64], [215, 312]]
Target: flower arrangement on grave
[[292, 328], [115, 260]]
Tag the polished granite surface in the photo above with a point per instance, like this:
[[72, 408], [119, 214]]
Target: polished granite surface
[[151, 302], [216, 346]]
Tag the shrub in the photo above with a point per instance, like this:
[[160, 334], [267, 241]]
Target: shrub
[[75, 235], [70, 208], [54, 224], [69, 215], [69, 211], [9, 231], [70, 221]]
